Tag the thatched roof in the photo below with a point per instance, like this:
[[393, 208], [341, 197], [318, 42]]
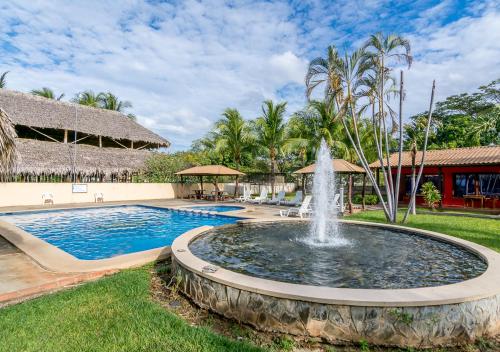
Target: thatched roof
[[339, 165], [210, 170], [487, 155], [34, 111], [37, 157]]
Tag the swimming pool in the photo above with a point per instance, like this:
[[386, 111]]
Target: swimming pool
[[217, 208], [104, 232]]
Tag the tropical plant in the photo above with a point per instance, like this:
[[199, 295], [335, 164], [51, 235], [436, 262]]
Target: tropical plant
[[46, 93], [109, 101], [3, 79], [431, 194], [89, 98], [365, 74], [8, 150], [271, 132], [232, 136]]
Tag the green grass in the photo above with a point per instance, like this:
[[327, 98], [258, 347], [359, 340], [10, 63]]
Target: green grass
[[112, 314], [482, 231]]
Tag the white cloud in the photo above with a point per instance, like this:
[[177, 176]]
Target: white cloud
[[181, 65]]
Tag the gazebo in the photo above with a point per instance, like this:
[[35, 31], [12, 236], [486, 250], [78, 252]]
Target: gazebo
[[340, 166], [209, 170]]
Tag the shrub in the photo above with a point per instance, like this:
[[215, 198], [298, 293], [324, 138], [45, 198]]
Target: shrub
[[431, 194], [370, 199]]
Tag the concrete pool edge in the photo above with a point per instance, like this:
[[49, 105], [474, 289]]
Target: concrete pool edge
[[421, 317]]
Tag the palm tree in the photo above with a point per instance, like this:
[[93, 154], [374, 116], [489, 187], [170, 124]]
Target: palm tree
[[380, 50], [88, 98], [110, 101], [3, 81], [8, 150], [271, 132], [232, 136], [46, 93]]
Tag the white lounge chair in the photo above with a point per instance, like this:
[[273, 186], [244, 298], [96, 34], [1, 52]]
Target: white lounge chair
[[246, 195], [304, 209], [99, 197], [296, 201], [47, 198], [260, 199], [279, 198]]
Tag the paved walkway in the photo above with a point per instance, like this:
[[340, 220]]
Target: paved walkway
[[21, 277]]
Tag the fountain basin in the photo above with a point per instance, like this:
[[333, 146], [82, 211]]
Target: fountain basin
[[449, 314]]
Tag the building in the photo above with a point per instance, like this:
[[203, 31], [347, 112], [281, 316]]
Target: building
[[466, 177], [61, 141]]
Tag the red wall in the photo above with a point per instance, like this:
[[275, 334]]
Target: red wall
[[448, 200]]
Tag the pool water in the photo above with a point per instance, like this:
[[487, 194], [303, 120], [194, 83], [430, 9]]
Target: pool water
[[217, 208], [98, 233]]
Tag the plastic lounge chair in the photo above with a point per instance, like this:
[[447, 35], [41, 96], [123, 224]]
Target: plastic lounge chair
[[99, 197], [279, 198], [302, 211], [47, 198], [296, 201], [260, 199], [246, 196]]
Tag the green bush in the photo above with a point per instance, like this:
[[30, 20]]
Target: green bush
[[370, 199]]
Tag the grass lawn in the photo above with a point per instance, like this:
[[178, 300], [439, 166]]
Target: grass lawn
[[113, 314], [482, 231]]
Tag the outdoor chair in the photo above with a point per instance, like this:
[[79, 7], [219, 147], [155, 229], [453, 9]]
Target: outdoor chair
[[303, 211], [279, 198], [245, 197], [47, 198], [98, 197], [260, 199], [296, 201]]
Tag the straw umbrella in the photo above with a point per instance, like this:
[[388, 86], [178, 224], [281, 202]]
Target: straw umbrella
[[8, 150], [340, 166], [209, 170]]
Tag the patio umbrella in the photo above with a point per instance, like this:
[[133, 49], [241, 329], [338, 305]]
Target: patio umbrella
[[340, 166], [209, 170]]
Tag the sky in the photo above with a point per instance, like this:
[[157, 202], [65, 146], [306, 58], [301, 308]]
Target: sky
[[181, 63]]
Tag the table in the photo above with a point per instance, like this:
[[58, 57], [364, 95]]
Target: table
[[472, 198]]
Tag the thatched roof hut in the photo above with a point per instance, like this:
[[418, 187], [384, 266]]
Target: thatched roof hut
[[40, 157], [66, 139], [39, 112]]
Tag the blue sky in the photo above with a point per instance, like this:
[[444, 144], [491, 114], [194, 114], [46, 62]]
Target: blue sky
[[182, 62]]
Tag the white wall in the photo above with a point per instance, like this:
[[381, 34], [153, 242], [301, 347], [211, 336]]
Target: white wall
[[13, 194]]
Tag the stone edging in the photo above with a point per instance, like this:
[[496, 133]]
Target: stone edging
[[483, 286]]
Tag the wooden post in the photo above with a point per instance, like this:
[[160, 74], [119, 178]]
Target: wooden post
[[100, 141], [349, 195], [65, 136], [131, 144]]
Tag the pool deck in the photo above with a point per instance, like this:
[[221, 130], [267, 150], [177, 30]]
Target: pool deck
[[23, 276]]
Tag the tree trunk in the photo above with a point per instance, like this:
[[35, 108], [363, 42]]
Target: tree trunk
[[411, 203], [273, 156], [421, 169], [363, 204], [400, 151]]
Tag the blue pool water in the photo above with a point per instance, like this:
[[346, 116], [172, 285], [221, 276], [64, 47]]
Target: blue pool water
[[217, 208], [97, 233]]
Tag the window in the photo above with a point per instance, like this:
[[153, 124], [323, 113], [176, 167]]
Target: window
[[485, 184], [436, 179]]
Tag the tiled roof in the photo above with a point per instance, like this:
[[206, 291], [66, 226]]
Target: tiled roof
[[207, 170], [488, 155]]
